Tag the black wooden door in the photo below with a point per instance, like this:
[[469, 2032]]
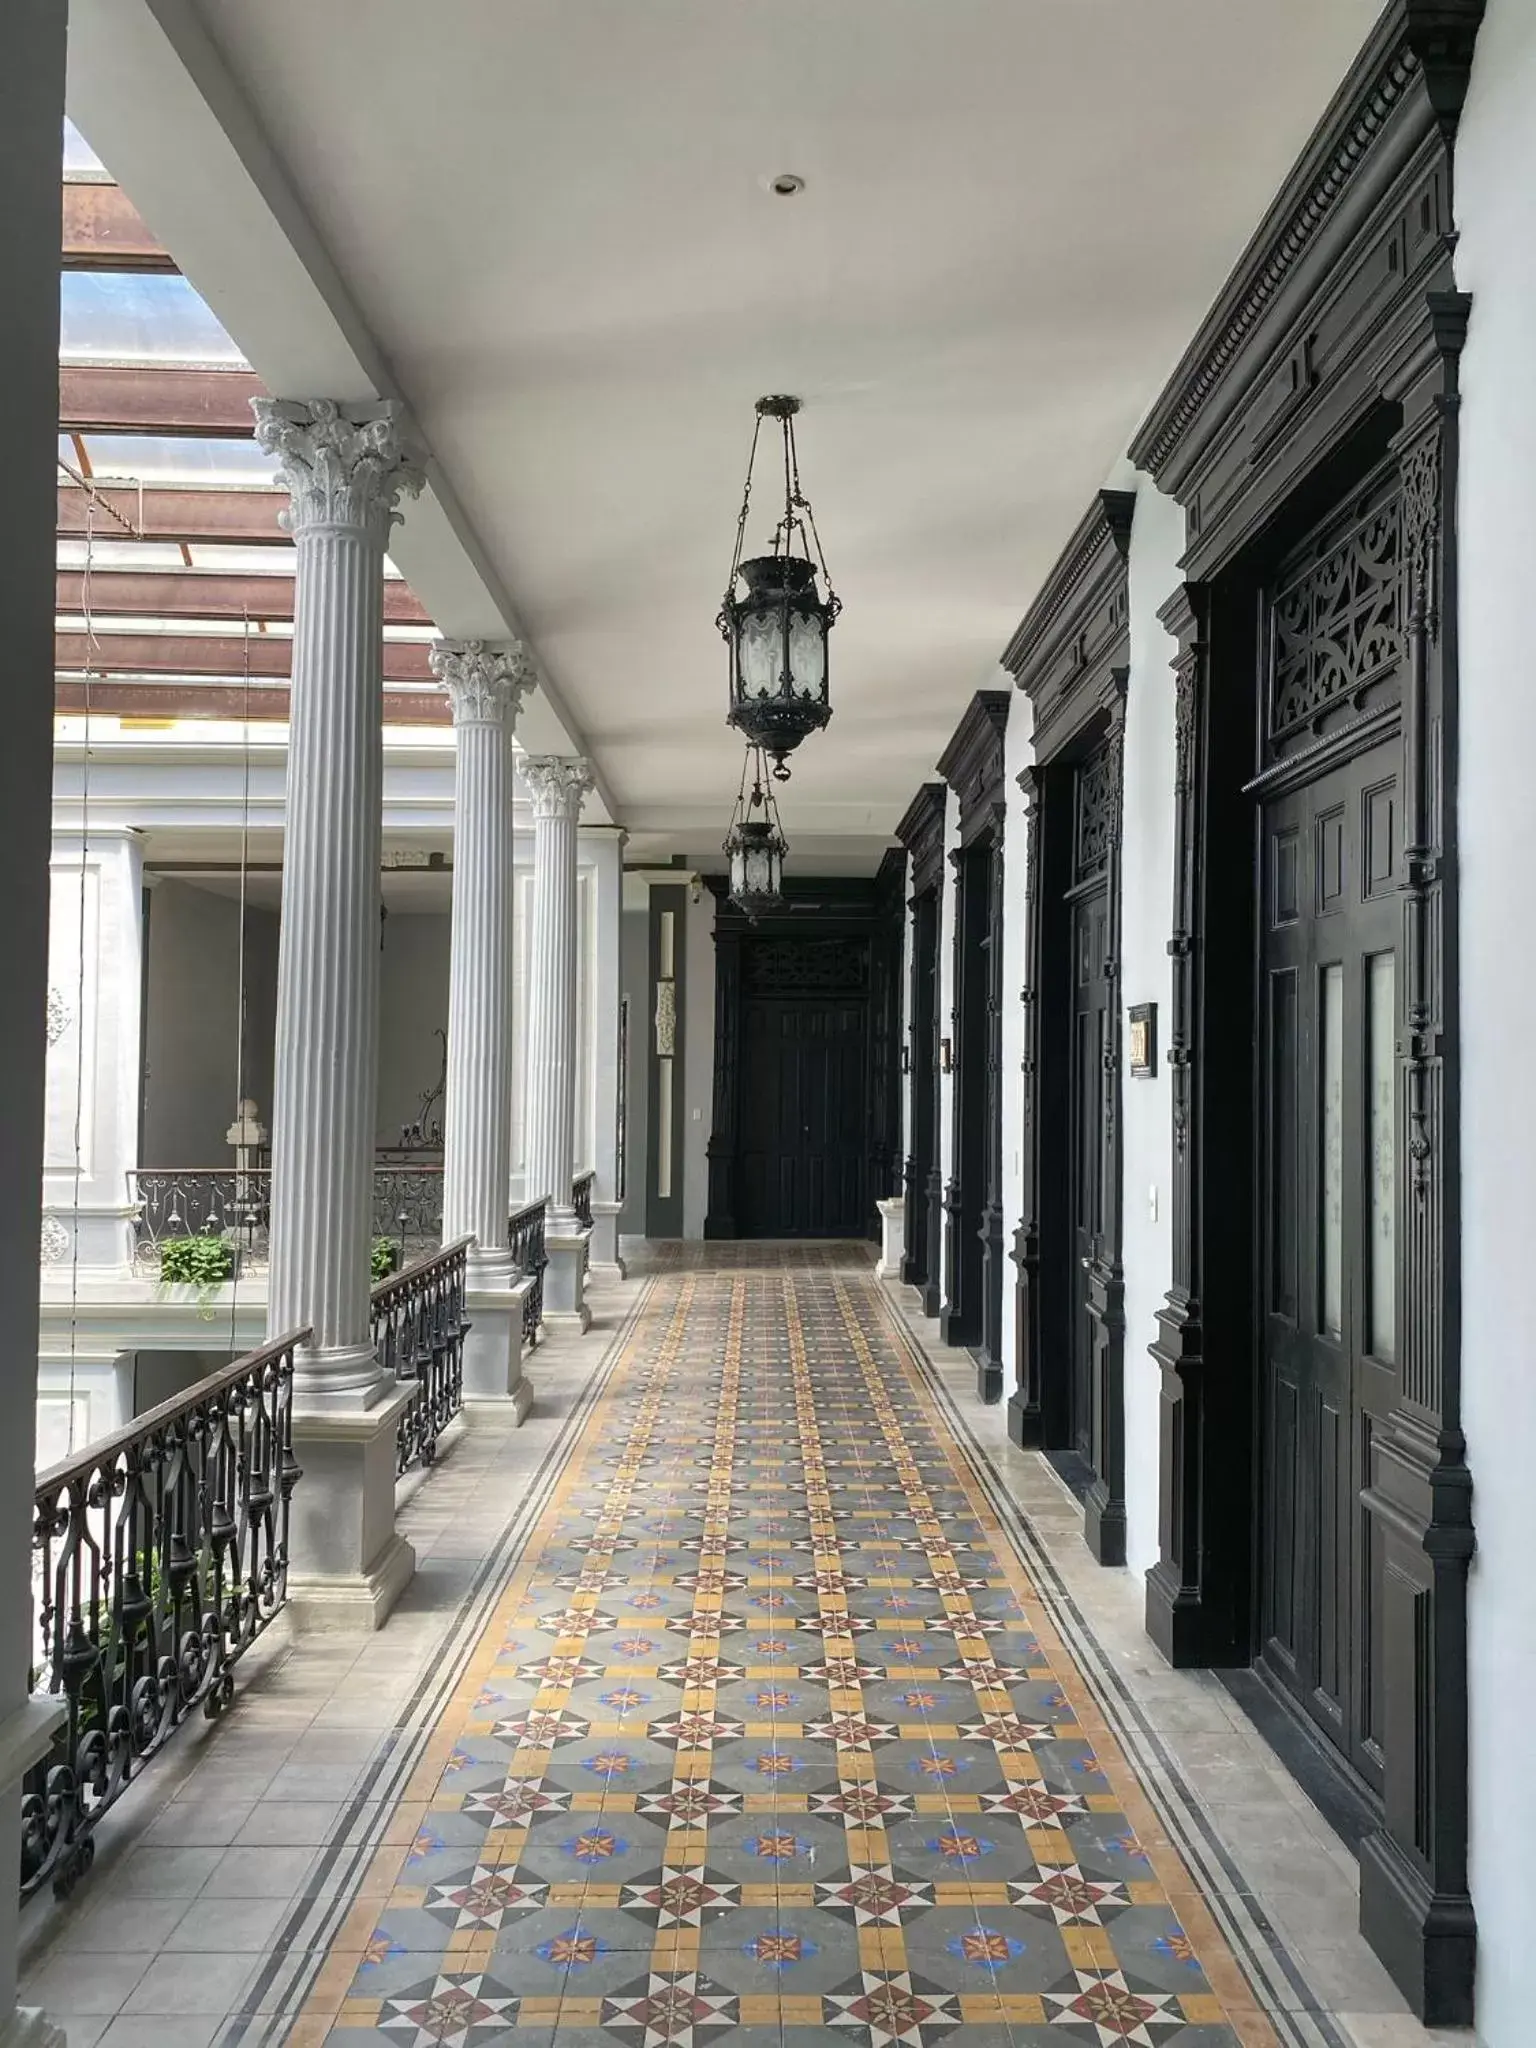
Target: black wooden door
[[1328, 1136], [804, 1151], [1091, 996]]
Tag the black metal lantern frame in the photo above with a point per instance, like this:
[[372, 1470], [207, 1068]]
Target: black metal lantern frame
[[777, 632], [755, 844]]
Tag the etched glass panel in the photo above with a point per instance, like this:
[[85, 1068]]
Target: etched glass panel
[[1381, 1087], [1330, 1176]]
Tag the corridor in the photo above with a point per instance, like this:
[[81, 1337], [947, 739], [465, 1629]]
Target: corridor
[[767, 1728]]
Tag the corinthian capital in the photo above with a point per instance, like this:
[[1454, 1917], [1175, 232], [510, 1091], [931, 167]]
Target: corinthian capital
[[557, 783], [340, 465], [486, 684]]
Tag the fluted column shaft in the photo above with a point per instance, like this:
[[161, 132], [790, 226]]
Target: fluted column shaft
[[344, 470], [557, 786], [485, 686]]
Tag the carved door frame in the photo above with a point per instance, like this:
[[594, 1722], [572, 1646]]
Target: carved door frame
[[1334, 346], [973, 766], [921, 832], [1070, 657]]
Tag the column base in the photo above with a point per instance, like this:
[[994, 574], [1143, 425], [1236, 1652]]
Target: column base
[[565, 1281], [27, 2026], [493, 1349], [604, 1262], [348, 1564], [893, 1231]]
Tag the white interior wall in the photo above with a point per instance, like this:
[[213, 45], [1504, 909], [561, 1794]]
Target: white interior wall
[[698, 1059], [1146, 912], [1017, 752], [1496, 220]]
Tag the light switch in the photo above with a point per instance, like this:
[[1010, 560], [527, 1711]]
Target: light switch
[[698, 1116], [1152, 1201]]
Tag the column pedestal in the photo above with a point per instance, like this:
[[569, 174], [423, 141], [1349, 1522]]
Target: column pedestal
[[493, 1350], [604, 1263], [893, 1234], [352, 1565], [565, 1281]]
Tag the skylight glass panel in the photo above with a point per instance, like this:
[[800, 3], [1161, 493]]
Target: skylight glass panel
[[137, 316], [144, 555], [81, 162], [230, 561], [172, 459]]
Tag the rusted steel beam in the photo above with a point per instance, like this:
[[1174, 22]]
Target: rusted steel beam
[[104, 231], [248, 518], [143, 398], [268, 703], [212, 654], [190, 594]]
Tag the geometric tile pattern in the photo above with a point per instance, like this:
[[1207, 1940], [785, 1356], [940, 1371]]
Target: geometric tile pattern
[[773, 1744]]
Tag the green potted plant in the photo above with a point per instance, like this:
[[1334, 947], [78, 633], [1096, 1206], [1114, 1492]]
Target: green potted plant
[[203, 1263], [383, 1259]]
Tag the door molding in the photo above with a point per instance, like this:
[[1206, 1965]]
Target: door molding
[[1070, 657], [972, 1315], [921, 832], [1334, 346]]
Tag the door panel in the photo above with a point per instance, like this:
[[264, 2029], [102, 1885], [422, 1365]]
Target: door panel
[[803, 1152], [1090, 1029], [1328, 1109]]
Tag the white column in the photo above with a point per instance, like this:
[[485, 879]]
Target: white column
[[557, 785], [485, 686], [32, 37], [344, 469]]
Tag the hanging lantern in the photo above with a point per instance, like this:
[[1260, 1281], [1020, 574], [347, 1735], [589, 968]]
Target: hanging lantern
[[777, 632], [755, 844]]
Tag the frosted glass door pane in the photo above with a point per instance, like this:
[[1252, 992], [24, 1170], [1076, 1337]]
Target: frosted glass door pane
[[1330, 1178], [1381, 1085]]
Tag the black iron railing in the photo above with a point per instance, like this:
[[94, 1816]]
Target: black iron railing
[[525, 1234], [419, 1326], [200, 1201], [218, 1201], [408, 1208], [159, 1555], [581, 1197]]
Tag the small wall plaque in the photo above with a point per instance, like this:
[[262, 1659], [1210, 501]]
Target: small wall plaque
[[1143, 1045]]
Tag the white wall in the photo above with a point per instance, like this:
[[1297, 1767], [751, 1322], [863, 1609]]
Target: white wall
[[1496, 219], [1018, 750], [95, 969], [698, 1059], [1146, 914]]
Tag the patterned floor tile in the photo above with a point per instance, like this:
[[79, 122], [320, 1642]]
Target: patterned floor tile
[[778, 1747]]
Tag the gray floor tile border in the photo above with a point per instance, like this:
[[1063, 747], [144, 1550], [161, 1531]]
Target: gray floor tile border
[[1307, 2007]]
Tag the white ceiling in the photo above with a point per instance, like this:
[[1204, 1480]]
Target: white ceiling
[[545, 223]]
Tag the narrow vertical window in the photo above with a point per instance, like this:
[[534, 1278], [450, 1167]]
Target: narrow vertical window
[[1381, 1164], [1330, 1177]]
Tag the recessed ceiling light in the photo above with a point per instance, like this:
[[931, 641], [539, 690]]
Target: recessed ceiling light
[[786, 185]]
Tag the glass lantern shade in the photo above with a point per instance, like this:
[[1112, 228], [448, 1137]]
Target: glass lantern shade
[[777, 634], [756, 851]]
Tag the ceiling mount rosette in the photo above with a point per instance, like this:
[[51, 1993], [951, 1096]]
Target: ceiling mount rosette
[[776, 630]]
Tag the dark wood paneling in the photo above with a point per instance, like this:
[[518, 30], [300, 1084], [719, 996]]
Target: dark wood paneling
[[1334, 348], [1069, 656]]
